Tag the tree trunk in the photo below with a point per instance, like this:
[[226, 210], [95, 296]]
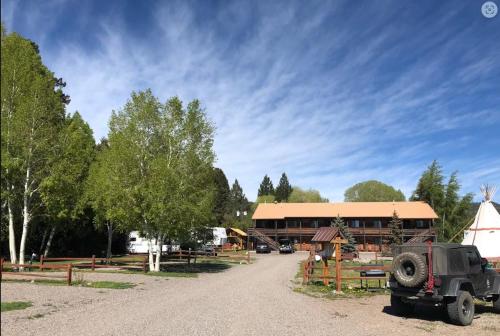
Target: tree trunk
[[150, 252], [12, 236], [45, 232], [110, 240], [158, 254], [49, 242], [26, 217]]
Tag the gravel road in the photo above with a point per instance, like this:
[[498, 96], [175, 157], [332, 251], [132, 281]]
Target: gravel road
[[255, 299]]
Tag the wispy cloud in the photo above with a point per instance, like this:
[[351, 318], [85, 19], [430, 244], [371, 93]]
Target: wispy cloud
[[331, 93]]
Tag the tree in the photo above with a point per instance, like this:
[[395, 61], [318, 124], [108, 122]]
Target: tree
[[396, 229], [266, 187], [299, 195], [238, 205], [222, 196], [373, 191], [284, 189], [350, 246], [444, 199], [61, 191], [164, 158], [32, 114]]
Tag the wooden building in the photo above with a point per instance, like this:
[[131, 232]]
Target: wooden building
[[366, 221]]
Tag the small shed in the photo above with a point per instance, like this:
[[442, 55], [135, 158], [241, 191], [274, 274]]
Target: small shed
[[326, 236], [236, 236]]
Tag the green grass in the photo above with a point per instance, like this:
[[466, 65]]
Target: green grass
[[90, 284], [15, 305]]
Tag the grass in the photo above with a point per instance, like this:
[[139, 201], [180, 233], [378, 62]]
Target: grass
[[350, 288], [90, 284], [15, 305]]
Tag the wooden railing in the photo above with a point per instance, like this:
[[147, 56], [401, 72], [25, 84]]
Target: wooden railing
[[93, 262], [18, 269]]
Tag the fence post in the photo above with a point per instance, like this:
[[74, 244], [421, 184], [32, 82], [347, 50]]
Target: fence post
[[248, 256], [189, 256], [338, 269], [93, 262], [326, 281], [41, 263], [1, 269], [144, 262], [70, 270]]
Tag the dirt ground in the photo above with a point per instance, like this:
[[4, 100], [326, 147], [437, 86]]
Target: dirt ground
[[255, 299]]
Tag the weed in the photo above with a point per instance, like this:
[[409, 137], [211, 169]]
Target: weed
[[15, 305]]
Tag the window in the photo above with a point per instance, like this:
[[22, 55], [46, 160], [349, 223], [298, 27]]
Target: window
[[355, 223], [419, 223], [132, 239], [377, 223]]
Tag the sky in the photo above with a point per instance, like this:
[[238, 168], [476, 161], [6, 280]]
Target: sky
[[331, 92]]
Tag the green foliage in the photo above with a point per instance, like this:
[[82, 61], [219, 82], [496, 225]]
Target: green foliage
[[373, 191], [266, 187], [396, 229], [222, 197], [163, 155], [284, 189], [299, 195], [238, 204], [339, 223], [453, 210]]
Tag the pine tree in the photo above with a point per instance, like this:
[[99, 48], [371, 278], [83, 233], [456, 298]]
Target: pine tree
[[222, 196], [284, 189], [266, 187], [351, 242], [396, 227]]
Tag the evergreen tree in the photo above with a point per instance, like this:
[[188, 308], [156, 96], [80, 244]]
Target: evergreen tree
[[222, 196], [396, 227], [284, 189], [266, 187], [338, 222], [444, 199], [238, 205]]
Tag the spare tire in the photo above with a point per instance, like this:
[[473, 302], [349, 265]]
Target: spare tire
[[410, 269]]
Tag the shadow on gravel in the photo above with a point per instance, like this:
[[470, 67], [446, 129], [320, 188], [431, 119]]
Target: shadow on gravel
[[203, 267], [430, 313]]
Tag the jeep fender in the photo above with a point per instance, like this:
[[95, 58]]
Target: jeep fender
[[458, 284]]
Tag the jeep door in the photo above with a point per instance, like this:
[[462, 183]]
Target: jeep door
[[475, 274]]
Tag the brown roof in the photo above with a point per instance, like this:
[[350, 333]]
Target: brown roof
[[326, 234], [405, 210]]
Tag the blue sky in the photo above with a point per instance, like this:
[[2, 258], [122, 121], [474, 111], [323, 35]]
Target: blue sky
[[331, 92]]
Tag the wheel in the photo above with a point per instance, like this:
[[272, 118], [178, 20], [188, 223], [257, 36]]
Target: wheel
[[399, 307], [410, 269], [461, 309], [496, 303]]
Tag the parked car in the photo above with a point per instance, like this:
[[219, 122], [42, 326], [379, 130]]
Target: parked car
[[286, 246], [450, 275], [209, 249], [262, 248]]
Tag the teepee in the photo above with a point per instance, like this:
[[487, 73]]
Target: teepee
[[485, 231]]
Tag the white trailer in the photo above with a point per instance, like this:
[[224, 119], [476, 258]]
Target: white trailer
[[138, 244]]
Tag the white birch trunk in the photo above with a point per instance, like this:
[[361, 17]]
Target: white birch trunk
[[158, 254], [26, 217], [49, 242], [12, 236], [150, 252]]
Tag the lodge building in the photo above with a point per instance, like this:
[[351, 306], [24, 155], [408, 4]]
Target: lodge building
[[366, 221]]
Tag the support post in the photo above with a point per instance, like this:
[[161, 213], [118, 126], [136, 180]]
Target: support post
[[41, 263], [144, 264], [93, 262], [1, 268], [70, 271], [248, 256], [326, 281], [338, 268]]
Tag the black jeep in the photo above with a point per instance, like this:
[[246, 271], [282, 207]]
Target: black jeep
[[450, 275]]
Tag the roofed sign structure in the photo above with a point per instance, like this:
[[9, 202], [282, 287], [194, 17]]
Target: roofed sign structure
[[366, 221]]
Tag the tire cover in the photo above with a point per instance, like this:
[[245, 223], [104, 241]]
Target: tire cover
[[410, 269]]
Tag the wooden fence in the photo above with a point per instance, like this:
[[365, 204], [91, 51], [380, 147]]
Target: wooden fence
[[9, 269], [93, 262]]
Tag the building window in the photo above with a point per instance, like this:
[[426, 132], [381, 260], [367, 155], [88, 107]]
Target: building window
[[355, 223], [419, 223], [377, 223]]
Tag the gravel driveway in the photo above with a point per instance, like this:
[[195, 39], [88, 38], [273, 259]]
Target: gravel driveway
[[252, 299]]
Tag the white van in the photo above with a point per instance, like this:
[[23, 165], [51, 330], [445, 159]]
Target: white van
[[138, 244]]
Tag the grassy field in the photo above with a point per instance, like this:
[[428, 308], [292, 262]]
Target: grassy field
[[90, 284], [15, 305]]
